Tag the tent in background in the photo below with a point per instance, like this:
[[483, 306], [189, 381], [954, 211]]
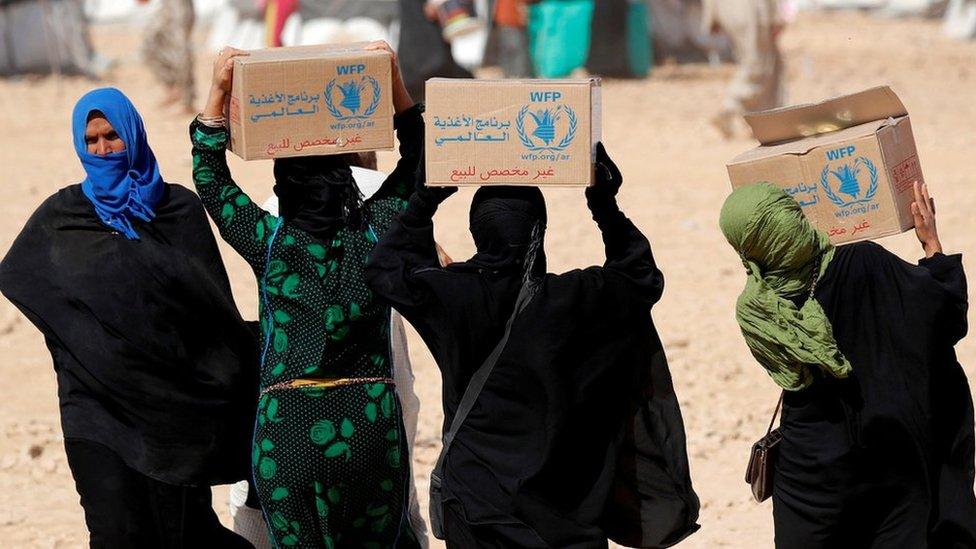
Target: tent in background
[[914, 8], [890, 8], [960, 20], [46, 37]]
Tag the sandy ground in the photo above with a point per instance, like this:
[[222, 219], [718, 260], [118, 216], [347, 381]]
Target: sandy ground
[[673, 163]]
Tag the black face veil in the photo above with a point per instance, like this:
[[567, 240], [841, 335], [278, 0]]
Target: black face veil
[[508, 225], [318, 194]]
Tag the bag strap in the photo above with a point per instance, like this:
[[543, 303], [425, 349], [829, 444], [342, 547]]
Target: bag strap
[[779, 404], [477, 383]]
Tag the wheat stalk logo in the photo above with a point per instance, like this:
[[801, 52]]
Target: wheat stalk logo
[[847, 177], [352, 95], [352, 98], [545, 121]]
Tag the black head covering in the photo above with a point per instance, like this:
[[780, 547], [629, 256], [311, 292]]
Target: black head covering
[[318, 194], [508, 225]]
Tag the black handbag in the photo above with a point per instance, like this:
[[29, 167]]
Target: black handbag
[[762, 460]]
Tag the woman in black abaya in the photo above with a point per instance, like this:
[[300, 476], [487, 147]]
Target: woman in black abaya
[[877, 424], [156, 369], [576, 436]]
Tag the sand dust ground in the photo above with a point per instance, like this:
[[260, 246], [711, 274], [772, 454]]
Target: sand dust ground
[[675, 182]]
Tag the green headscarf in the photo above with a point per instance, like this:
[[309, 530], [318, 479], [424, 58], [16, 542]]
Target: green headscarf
[[783, 255]]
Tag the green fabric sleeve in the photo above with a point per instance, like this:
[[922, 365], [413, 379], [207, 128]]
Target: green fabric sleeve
[[242, 224]]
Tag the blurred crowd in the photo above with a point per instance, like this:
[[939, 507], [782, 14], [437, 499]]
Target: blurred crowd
[[448, 38]]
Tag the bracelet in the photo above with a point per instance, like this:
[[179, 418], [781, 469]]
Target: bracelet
[[212, 121]]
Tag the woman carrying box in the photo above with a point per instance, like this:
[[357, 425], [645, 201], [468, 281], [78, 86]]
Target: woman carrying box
[[575, 435], [330, 459], [877, 426]]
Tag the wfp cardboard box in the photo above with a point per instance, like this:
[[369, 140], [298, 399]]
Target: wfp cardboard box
[[310, 100], [850, 162], [512, 132]]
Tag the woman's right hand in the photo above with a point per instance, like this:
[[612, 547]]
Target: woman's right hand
[[223, 77], [923, 210], [606, 183]]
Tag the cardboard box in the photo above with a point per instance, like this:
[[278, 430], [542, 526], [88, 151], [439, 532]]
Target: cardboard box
[[311, 100], [512, 132], [850, 162]]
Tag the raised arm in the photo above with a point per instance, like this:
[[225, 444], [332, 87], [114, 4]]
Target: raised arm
[[409, 124], [627, 249], [947, 270], [244, 225], [406, 249]]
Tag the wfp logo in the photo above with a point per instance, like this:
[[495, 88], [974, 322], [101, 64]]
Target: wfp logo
[[547, 128], [843, 185], [350, 95]]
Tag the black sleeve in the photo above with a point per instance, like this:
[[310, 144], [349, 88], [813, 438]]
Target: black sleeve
[[405, 250], [629, 253], [409, 126], [948, 273]]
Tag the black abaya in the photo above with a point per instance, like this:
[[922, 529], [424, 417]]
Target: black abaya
[[152, 358], [577, 435], [884, 458]]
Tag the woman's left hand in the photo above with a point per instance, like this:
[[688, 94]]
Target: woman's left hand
[[923, 209], [401, 98]]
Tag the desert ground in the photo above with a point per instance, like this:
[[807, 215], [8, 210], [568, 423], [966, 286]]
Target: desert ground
[[675, 182]]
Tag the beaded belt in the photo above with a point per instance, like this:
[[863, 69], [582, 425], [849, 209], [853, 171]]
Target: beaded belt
[[326, 383]]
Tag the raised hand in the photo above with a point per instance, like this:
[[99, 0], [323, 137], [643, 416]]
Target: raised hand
[[607, 180], [223, 77], [432, 195], [401, 97], [923, 210]]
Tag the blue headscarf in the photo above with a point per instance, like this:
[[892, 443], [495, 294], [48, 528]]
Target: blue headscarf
[[121, 185]]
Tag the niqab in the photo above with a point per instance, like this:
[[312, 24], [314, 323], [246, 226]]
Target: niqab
[[784, 256], [318, 194], [507, 223], [122, 186]]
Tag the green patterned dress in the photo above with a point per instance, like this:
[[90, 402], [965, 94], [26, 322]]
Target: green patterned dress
[[330, 463]]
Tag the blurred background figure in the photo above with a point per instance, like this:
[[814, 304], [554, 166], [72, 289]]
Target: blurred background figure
[[168, 50], [676, 33], [559, 36], [276, 14], [620, 46], [510, 40], [753, 26], [428, 54], [455, 17]]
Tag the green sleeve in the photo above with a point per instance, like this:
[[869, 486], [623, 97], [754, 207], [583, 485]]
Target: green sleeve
[[242, 224]]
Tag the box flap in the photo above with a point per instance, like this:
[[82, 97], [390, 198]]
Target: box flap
[[805, 145], [305, 52], [787, 123]]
